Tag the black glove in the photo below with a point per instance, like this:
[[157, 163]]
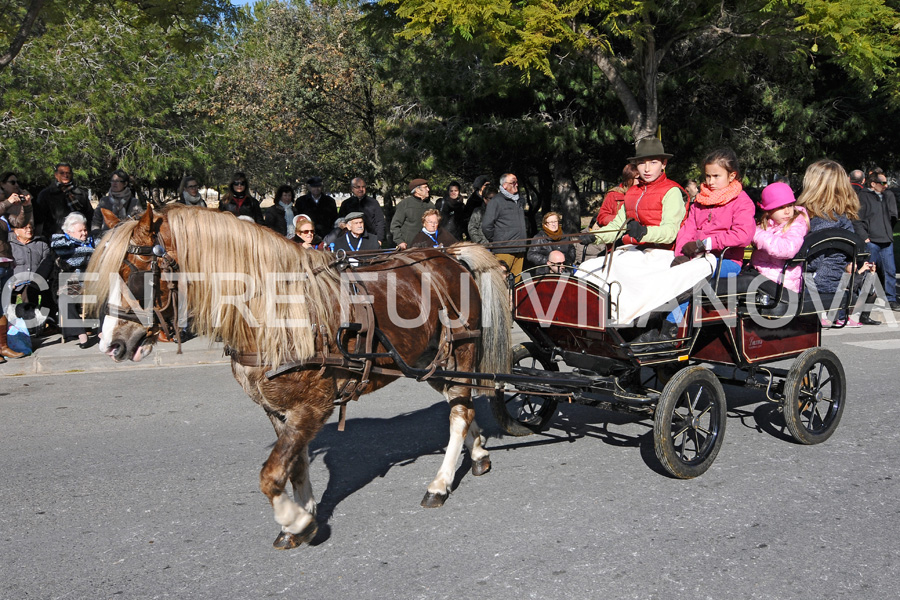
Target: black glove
[[693, 248], [635, 230], [680, 260]]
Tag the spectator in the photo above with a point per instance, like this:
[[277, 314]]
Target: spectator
[[432, 236], [615, 197], [120, 200], [238, 201], [476, 199], [340, 225], [59, 199], [280, 216], [305, 233], [35, 262], [857, 178], [550, 238], [830, 201], [15, 212], [360, 201], [16, 206], [477, 216], [877, 217], [189, 192], [355, 238], [503, 224], [452, 211], [321, 209], [692, 189], [556, 262], [407, 219], [73, 248]]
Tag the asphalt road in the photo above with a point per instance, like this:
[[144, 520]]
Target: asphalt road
[[143, 484]]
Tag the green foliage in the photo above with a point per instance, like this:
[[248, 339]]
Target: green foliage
[[103, 94]]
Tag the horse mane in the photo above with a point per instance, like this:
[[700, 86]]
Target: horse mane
[[496, 318], [251, 287], [105, 262]]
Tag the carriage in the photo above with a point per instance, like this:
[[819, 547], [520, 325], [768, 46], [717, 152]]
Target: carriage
[[308, 332], [739, 334]]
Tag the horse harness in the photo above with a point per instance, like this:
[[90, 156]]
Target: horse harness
[[363, 328], [152, 318]]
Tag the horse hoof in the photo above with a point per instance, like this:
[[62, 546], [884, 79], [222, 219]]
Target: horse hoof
[[480, 467], [432, 500], [289, 541]]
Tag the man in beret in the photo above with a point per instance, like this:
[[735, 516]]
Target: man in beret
[[407, 221], [355, 238], [320, 208]]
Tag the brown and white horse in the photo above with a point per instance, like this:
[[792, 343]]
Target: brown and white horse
[[275, 304]]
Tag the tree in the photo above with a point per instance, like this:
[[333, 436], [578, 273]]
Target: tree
[[184, 25], [104, 94], [639, 45]]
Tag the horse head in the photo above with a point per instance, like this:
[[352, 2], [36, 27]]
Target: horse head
[[142, 294]]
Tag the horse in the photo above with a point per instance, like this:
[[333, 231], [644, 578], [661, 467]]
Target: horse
[[304, 331]]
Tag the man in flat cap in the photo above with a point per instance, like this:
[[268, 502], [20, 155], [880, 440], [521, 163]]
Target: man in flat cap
[[407, 221], [320, 208], [355, 238]]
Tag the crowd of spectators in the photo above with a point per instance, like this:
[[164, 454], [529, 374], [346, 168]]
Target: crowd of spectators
[[51, 238]]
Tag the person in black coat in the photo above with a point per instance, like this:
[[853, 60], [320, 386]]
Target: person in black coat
[[359, 201], [550, 238], [57, 200], [280, 216], [238, 200], [355, 238], [452, 211], [317, 206]]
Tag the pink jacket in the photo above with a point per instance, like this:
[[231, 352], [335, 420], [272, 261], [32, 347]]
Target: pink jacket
[[774, 246], [728, 226]]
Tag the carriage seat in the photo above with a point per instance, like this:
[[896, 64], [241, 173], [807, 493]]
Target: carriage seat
[[772, 299]]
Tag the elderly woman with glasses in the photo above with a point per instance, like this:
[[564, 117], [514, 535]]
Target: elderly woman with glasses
[[189, 192], [550, 238], [305, 233], [239, 202], [120, 200]]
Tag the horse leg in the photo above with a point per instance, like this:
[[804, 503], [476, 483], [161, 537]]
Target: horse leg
[[289, 458], [462, 413], [300, 481], [481, 459]]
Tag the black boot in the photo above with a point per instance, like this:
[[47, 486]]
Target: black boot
[[667, 331], [866, 319]]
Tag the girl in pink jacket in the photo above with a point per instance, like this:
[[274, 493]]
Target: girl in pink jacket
[[779, 235]]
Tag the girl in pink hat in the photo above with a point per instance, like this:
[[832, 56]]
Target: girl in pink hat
[[779, 234]]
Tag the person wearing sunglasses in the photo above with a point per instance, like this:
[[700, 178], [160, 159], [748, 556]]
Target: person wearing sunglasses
[[877, 217], [239, 202], [305, 233], [189, 192], [120, 200]]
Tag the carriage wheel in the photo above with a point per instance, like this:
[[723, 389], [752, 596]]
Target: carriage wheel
[[690, 422], [814, 393], [520, 413]]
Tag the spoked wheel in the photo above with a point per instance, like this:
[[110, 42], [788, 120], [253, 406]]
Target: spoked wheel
[[690, 422], [814, 393], [520, 413]]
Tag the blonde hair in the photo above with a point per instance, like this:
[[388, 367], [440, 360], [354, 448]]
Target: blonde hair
[[827, 192], [763, 220]]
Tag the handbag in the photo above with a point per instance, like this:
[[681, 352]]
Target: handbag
[[18, 338]]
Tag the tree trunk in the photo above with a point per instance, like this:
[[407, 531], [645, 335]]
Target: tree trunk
[[565, 194]]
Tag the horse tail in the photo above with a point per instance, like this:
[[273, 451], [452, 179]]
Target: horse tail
[[494, 350]]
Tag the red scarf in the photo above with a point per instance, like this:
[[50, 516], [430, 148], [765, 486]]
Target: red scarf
[[708, 197]]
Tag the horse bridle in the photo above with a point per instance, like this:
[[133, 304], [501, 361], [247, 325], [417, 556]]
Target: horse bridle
[[154, 317]]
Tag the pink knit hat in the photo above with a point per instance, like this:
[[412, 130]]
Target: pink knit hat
[[776, 195]]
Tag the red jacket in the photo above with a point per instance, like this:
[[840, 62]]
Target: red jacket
[[610, 207], [643, 202]]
